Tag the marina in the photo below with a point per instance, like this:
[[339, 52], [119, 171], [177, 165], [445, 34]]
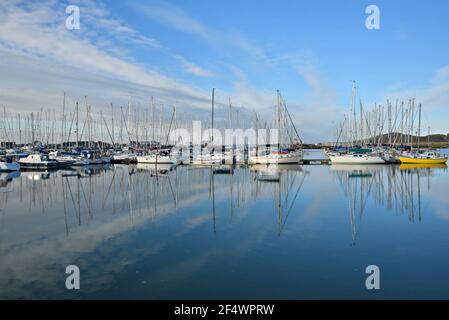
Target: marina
[[164, 218]]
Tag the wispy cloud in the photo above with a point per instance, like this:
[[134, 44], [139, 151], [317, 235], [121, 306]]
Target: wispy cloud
[[192, 68], [37, 30], [441, 75], [175, 17]]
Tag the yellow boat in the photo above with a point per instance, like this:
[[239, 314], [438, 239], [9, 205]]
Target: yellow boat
[[424, 158]]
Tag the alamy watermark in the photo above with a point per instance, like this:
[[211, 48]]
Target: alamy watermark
[[72, 22], [211, 141], [372, 22], [72, 282], [372, 282]]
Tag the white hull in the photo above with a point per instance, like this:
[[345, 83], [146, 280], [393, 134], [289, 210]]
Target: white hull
[[65, 161], [5, 166], [356, 159], [152, 159], [210, 160], [36, 161], [276, 159]]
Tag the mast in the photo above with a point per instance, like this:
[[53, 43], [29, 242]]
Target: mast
[[77, 126], [412, 123], [63, 122], [152, 120], [354, 119], [169, 128], [213, 105], [402, 123], [20, 132], [32, 129], [361, 125], [419, 127], [128, 129], [279, 119], [112, 125]]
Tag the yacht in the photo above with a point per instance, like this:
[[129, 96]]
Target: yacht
[[423, 158], [356, 158], [292, 152], [157, 158], [277, 158], [210, 159], [63, 159], [38, 161], [123, 157]]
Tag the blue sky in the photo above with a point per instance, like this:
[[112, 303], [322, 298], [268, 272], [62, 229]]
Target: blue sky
[[179, 50]]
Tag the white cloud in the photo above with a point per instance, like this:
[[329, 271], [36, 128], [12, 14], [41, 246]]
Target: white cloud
[[434, 97], [192, 68], [173, 16], [442, 75], [38, 30], [177, 18]]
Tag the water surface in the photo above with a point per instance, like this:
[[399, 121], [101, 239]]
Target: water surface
[[193, 234]]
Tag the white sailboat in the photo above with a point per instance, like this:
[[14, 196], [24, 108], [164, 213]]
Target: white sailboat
[[277, 158], [356, 158], [356, 154], [280, 156], [157, 158]]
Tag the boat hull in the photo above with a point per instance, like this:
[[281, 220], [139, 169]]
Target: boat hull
[[38, 166], [155, 160], [356, 160], [66, 163], [123, 158], [269, 159]]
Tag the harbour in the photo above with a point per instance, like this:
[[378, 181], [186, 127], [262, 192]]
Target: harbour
[[232, 159]]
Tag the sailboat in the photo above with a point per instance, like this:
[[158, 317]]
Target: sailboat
[[355, 155], [160, 156], [419, 157], [281, 155], [356, 158], [423, 158]]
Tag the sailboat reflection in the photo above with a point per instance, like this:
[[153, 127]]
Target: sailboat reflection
[[161, 169], [145, 190], [396, 188], [286, 188]]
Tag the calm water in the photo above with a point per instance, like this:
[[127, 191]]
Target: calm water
[[194, 234]]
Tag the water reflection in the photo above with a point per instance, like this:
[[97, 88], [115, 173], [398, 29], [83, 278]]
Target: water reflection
[[140, 231], [395, 188]]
